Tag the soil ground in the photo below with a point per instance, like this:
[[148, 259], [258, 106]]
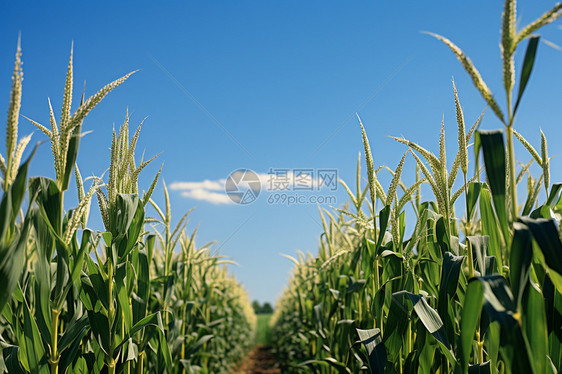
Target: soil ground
[[260, 360]]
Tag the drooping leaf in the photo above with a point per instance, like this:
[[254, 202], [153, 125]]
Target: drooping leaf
[[545, 234], [430, 319], [376, 350]]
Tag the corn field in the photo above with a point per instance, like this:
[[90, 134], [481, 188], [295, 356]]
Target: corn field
[[464, 279]]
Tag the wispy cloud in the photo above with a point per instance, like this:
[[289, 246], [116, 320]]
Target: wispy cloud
[[211, 191], [206, 195], [217, 185]]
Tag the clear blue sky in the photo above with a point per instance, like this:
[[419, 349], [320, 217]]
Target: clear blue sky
[[281, 77]]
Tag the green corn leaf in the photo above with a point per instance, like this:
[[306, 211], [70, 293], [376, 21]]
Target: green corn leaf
[[139, 303], [12, 257], [520, 260], [339, 366], [477, 148], [129, 223], [534, 325], [78, 259], [101, 330], [32, 348], [499, 303], [479, 246], [42, 296], [200, 344], [493, 150], [555, 197], [450, 272], [473, 195], [49, 200], [441, 237], [431, 321], [13, 245], [71, 342], [527, 68], [545, 234], [500, 306], [10, 360], [553, 306], [62, 275], [95, 284], [154, 319], [395, 327], [491, 226], [71, 155], [384, 216], [123, 296], [492, 342], [470, 315]]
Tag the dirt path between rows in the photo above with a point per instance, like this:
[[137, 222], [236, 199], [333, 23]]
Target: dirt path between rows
[[260, 360]]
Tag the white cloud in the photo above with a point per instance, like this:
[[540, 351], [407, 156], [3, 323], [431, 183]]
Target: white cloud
[[217, 185], [213, 191], [209, 196]]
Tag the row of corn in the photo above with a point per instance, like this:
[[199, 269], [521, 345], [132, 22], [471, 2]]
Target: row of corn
[[137, 297], [473, 285]]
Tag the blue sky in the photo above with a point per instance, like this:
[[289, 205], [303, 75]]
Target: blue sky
[[284, 79]]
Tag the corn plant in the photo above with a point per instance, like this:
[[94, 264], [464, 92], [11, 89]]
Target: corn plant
[[125, 257]]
